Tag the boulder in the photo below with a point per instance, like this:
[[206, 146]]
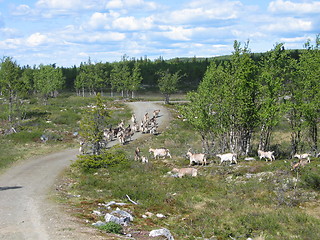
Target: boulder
[[161, 232]]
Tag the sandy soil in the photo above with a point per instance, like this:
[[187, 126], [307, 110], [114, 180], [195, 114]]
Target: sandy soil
[[26, 211]]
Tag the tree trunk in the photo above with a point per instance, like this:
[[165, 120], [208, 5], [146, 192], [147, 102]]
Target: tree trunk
[[10, 106], [166, 100], [314, 138]]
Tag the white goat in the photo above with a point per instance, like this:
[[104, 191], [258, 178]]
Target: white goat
[[231, 157], [81, 148], [133, 119], [301, 163], [267, 155], [160, 152], [144, 159], [186, 172], [197, 158], [156, 113], [303, 156]]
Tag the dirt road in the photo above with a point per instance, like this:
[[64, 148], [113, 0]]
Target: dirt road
[[26, 212]]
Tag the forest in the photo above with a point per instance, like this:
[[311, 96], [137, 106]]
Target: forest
[[231, 97]]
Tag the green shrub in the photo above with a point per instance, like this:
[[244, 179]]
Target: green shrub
[[70, 118], [311, 180], [25, 136], [104, 160], [111, 227]]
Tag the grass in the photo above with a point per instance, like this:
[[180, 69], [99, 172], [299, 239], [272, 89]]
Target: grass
[[58, 120], [258, 199]]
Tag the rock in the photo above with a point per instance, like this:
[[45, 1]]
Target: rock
[[97, 213], [161, 232], [149, 214], [112, 203], [159, 215], [119, 217], [122, 214], [249, 159], [110, 218], [98, 224]]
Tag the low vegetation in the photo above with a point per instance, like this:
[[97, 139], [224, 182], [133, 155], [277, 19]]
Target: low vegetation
[[47, 128], [257, 199]]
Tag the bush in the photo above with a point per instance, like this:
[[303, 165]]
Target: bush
[[25, 136], [67, 118], [111, 227], [104, 160], [311, 180]]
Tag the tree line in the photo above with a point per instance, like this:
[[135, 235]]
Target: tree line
[[242, 97], [234, 96], [126, 77]]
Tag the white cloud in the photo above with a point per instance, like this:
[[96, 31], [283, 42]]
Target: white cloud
[[288, 24], [99, 20], [132, 24], [22, 9], [280, 6], [140, 4], [11, 43], [8, 32], [37, 39], [202, 11], [114, 4], [294, 39], [176, 33], [96, 37], [65, 4]]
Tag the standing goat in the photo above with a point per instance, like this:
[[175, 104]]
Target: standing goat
[[156, 113], [160, 152], [303, 156], [231, 157], [197, 158], [267, 155]]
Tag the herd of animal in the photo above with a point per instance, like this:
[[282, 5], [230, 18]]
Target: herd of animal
[[200, 159], [150, 125], [124, 134]]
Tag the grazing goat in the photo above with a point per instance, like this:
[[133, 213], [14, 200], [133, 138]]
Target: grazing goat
[[301, 163], [156, 113], [160, 152], [144, 159], [303, 156], [186, 172], [197, 158], [137, 154], [267, 155], [231, 157]]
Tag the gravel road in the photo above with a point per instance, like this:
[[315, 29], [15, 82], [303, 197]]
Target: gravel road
[[26, 211]]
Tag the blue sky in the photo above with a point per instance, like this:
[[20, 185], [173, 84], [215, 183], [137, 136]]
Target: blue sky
[[68, 32]]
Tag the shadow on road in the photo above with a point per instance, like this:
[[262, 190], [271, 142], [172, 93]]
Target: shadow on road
[[9, 188]]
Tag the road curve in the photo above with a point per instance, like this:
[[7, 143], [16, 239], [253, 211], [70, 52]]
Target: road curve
[[26, 212]]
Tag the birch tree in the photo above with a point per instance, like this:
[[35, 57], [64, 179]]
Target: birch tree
[[47, 80], [309, 73], [10, 83], [93, 123], [272, 78], [136, 79], [168, 83]]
